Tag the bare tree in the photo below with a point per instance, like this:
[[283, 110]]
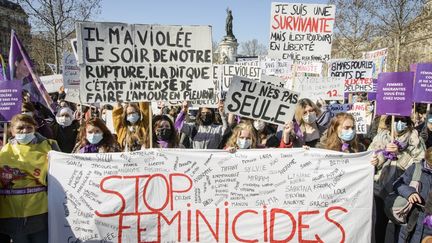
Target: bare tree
[[397, 20], [252, 48], [354, 27], [58, 17]]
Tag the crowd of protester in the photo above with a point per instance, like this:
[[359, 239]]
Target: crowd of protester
[[398, 145]]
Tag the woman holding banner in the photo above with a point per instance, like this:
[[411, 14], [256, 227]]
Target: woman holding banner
[[65, 129], [131, 124], [243, 137], [204, 133], [95, 137], [341, 135], [393, 157], [164, 133], [23, 185], [306, 128]]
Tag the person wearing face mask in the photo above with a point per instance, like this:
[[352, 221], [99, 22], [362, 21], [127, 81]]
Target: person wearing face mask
[[65, 129], [307, 126], [43, 127], [131, 124], [23, 184], [203, 133], [266, 135], [243, 137], [420, 219], [341, 135], [392, 157], [95, 137], [164, 133], [426, 131]]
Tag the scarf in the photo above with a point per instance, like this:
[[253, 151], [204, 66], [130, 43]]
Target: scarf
[[163, 144], [89, 148]]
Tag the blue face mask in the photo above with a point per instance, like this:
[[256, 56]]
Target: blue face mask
[[347, 135], [133, 118], [24, 138], [94, 138], [400, 126]]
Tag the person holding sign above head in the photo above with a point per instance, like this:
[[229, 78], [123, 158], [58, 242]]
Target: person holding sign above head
[[243, 137], [43, 127], [306, 128], [95, 137], [131, 124], [203, 133], [164, 133], [392, 157], [341, 135], [23, 184]]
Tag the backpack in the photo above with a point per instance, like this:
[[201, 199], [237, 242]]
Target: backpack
[[396, 207]]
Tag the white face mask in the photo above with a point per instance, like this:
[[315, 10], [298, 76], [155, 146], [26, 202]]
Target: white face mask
[[64, 121], [259, 125], [24, 138], [243, 143], [309, 118]]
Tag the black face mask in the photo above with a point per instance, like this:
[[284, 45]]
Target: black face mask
[[164, 134], [207, 119]]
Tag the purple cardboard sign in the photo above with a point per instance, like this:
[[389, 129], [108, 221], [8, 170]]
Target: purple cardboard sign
[[423, 83], [372, 95], [10, 99], [394, 94]]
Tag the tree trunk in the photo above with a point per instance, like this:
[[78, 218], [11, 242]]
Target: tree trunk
[[56, 54], [397, 53]]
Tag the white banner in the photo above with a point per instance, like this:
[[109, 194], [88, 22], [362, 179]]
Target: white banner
[[301, 32], [357, 74], [316, 88], [291, 195], [123, 63], [379, 58], [256, 100], [52, 83], [71, 71], [229, 71]]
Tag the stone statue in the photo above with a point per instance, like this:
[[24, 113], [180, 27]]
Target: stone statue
[[229, 24]]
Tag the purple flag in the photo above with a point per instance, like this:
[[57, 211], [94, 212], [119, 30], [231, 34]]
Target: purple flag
[[10, 99], [21, 69], [423, 83], [394, 94]]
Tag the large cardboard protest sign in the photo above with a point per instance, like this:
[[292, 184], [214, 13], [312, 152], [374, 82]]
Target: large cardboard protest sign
[[52, 83], [123, 63], [423, 83], [316, 88], [301, 32], [291, 195], [245, 71], [309, 67], [10, 99], [358, 111], [249, 98], [71, 71], [379, 57], [276, 67], [394, 94], [273, 80], [357, 74]]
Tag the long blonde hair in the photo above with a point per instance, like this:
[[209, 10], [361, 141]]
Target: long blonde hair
[[300, 108], [232, 141]]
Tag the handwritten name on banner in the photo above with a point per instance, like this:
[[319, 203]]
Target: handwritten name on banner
[[256, 100], [121, 62], [316, 88], [210, 196], [301, 32], [357, 74]]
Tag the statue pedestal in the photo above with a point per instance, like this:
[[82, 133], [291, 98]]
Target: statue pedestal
[[227, 50]]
